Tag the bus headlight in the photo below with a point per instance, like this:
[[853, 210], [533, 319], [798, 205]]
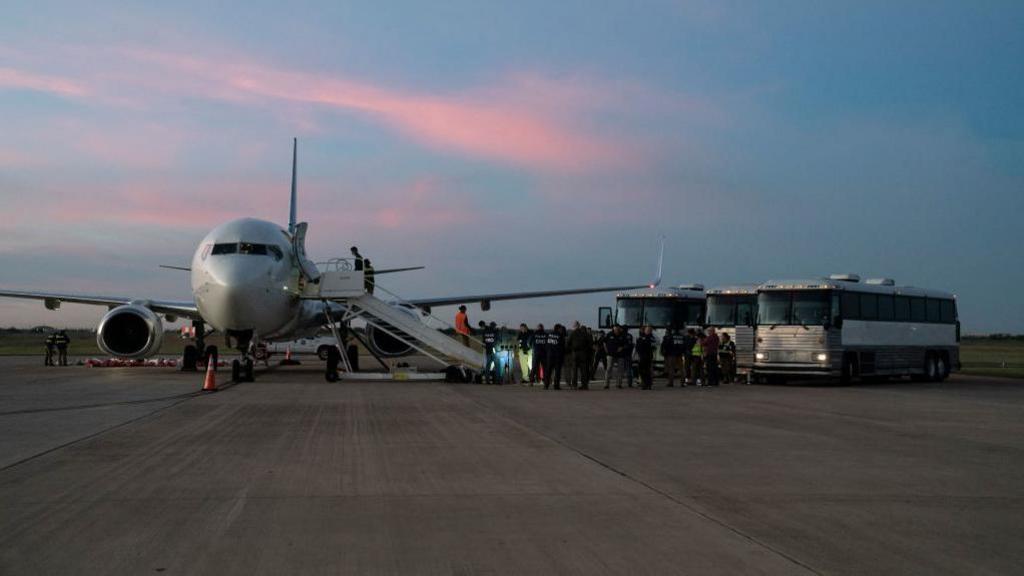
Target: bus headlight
[[760, 355], [822, 357]]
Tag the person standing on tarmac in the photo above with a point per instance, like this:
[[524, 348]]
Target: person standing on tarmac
[[671, 349], [62, 342], [524, 341], [540, 350], [600, 355], [51, 347], [645, 346], [368, 276], [555, 358], [462, 325], [614, 344], [697, 358], [581, 345], [688, 342], [492, 369], [727, 359], [357, 259], [627, 352], [710, 345]]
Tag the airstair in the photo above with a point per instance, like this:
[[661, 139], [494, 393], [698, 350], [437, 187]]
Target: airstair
[[339, 282]]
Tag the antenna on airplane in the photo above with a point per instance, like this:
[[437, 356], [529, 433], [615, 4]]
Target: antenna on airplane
[[291, 211]]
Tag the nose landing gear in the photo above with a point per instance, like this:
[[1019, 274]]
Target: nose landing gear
[[242, 370]]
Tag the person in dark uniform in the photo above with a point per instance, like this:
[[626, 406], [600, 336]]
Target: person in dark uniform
[[581, 345], [727, 359], [357, 259], [671, 351], [51, 347], [540, 349], [614, 344], [368, 280], [710, 346], [489, 336], [627, 354], [600, 355], [524, 342], [645, 346], [555, 358], [689, 363], [62, 342]]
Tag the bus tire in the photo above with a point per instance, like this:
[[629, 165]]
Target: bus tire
[[848, 370], [941, 367], [931, 368]]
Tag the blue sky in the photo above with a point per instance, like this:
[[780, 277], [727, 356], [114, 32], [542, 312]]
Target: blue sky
[[525, 145]]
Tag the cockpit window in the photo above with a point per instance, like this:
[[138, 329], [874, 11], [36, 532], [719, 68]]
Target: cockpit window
[[248, 248]]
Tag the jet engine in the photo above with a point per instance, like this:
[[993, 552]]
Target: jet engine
[[130, 331], [385, 345]]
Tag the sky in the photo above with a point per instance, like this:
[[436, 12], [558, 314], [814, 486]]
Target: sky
[[519, 145]]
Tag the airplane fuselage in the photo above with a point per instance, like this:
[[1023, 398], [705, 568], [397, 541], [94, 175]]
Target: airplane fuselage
[[245, 278]]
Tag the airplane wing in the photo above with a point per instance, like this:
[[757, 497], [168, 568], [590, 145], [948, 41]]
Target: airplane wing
[[486, 299], [54, 299]]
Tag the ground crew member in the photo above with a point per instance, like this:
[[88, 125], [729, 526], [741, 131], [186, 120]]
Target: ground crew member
[[627, 353], [368, 280], [614, 344], [51, 347], [462, 325], [697, 358], [581, 344], [540, 350], [600, 355], [645, 346], [492, 367], [62, 342], [671, 351], [357, 259], [687, 353], [524, 342], [710, 346], [727, 359], [555, 358]]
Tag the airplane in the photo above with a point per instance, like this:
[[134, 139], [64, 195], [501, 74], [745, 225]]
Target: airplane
[[248, 278]]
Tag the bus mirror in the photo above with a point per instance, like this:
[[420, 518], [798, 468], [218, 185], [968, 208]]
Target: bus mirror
[[604, 317]]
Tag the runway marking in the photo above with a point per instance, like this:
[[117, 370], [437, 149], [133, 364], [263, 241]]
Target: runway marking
[[644, 484]]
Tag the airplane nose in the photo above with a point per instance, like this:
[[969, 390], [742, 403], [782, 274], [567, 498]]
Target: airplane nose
[[237, 294]]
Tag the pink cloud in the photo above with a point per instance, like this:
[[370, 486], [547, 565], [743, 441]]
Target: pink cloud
[[486, 123], [17, 79]]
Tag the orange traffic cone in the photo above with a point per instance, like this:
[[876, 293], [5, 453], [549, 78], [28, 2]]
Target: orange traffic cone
[[210, 383], [288, 360]]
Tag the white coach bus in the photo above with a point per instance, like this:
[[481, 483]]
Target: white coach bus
[[678, 308], [732, 310], [839, 326]]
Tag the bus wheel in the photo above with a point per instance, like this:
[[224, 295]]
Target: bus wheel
[[931, 368], [849, 370], [941, 368]]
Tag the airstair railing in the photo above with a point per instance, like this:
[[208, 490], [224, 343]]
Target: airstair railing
[[401, 300]]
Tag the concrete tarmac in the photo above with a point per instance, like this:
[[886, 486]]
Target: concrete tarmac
[[128, 471]]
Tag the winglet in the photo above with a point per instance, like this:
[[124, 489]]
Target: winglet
[[661, 261], [291, 210]]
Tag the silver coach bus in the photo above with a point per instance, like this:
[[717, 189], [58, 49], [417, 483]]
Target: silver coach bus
[[841, 327], [732, 310], [678, 307]]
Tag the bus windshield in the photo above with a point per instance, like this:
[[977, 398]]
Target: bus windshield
[[731, 310], [630, 311], [659, 312], [794, 307]]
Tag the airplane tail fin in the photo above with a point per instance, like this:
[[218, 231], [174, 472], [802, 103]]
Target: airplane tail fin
[[661, 261], [291, 208]]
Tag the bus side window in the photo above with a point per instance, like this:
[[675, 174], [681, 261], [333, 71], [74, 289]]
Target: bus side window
[[869, 306], [850, 306], [885, 308], [902, 308], [917, 310], [947, 312], [933, 310]]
